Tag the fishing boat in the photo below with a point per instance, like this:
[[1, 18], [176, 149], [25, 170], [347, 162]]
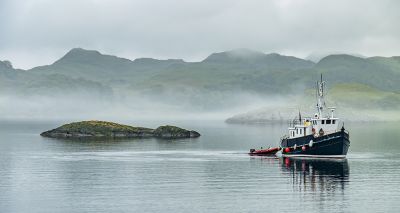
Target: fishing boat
[[317, 135], [264, 152]]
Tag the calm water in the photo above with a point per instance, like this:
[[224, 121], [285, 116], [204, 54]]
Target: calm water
[[209, 174]]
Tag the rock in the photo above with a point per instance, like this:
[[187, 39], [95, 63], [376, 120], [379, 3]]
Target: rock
[[95, 129], [174, 132]]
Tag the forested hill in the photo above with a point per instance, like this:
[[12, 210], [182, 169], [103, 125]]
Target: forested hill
[[209, 82]]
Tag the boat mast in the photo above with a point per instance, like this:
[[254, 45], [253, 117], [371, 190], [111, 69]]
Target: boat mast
[[320, 96]]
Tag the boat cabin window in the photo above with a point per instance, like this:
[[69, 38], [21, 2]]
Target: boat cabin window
[[328, 121], [333, 121], [323, 121], [300, 131]]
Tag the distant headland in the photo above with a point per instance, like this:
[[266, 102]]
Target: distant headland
[[97, 129]]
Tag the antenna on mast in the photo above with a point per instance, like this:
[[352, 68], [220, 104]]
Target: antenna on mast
[[320, 96], [299, 116]]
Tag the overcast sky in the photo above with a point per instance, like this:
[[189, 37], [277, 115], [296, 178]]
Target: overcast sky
[[38, 32]]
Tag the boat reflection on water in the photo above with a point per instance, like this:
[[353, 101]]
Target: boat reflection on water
[[324, 175]]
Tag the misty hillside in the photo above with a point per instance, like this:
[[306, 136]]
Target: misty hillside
[[237, 69], [240, 69], [225, 79], [354, 102], [92, 65], [250, 58]]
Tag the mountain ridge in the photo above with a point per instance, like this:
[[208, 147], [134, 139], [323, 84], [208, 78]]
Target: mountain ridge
[[221, 75], [237, 52]]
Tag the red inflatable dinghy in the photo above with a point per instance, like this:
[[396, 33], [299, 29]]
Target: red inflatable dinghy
[[269, 151]]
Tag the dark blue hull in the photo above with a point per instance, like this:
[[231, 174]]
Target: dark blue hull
[[330, 145]]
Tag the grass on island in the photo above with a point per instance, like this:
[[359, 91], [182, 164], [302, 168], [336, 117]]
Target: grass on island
[[100, 127]]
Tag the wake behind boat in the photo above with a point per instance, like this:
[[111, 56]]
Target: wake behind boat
[[316, 136]]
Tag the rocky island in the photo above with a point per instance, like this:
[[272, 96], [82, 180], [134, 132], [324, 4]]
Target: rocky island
[[96, 129]]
